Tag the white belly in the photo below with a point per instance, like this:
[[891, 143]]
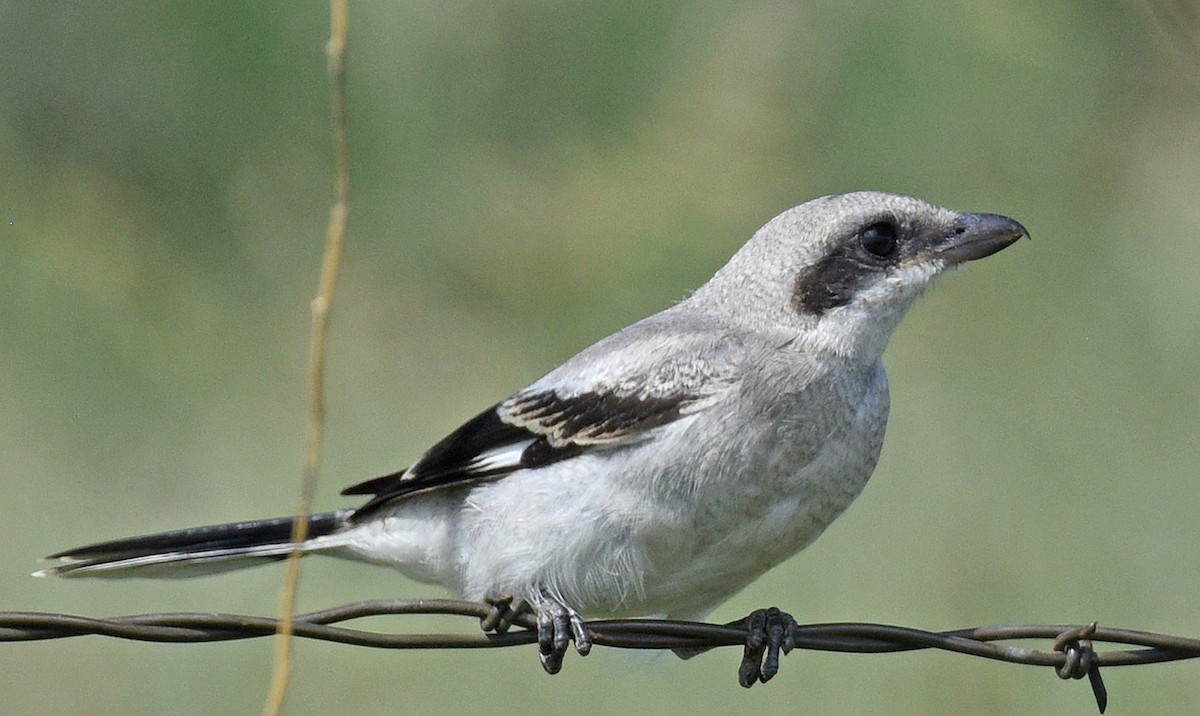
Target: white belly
[[668, 526]]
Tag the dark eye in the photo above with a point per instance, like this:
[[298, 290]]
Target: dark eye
[[879, 239]]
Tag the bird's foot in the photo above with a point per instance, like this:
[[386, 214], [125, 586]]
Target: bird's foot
[[506, 610], [557, 625], [769, 634]]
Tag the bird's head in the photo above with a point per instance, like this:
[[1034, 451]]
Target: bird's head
[[844, 269]]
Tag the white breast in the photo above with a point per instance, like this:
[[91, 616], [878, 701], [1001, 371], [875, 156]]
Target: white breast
[[673, 525]]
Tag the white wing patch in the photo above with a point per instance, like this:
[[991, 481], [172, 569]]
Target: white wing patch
[[503, 457]]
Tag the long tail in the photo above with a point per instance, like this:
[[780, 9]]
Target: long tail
[[196, 551]]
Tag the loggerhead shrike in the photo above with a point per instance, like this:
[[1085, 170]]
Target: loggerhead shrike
[[664, 468]]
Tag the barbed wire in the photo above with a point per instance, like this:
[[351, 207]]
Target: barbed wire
[[1071, 655]]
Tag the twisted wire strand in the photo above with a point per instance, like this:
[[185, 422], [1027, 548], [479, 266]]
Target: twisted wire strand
[[1071, 652], [859, 637]]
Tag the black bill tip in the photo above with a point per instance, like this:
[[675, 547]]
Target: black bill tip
[[976, 236]]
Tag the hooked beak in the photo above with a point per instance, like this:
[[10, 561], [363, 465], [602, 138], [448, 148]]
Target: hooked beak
[[976, 236]]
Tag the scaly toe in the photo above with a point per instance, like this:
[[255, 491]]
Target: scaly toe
[[557, 625], [769, 633]]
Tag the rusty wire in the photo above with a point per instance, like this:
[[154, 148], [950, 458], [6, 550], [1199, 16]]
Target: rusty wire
[[1071, 653]]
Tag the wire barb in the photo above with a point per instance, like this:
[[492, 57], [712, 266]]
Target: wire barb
[[1081, 660], [1072, 654]]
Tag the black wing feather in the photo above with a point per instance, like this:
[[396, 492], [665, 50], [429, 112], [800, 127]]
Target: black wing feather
[[594, 417], [546, 428], [451, 455]]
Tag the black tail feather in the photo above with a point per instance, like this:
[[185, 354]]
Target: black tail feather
[[230, 535], [226, 543]]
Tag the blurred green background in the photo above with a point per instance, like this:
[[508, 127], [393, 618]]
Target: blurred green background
[[527, 177]]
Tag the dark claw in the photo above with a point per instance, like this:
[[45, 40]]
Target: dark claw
[[769, 633], [558, 624]]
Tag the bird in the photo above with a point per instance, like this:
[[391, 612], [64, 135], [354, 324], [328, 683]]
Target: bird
[[661, 470]]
